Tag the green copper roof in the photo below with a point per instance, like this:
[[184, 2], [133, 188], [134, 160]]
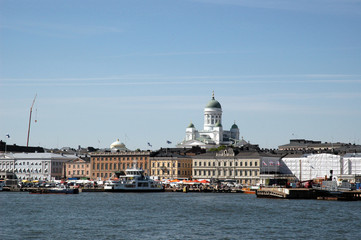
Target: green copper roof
[[213, 103], [218, 124], [234, 126], [191, 125]]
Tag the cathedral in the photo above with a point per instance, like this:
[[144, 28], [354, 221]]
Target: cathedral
[[213, 133]]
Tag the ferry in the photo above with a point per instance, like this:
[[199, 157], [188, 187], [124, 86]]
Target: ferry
[[133, 181]]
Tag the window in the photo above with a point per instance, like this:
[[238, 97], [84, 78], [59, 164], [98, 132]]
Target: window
[[255, 163], [250, 163], [245, 164], [195, 164], [230, 164]]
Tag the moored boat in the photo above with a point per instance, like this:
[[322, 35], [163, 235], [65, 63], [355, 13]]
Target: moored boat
[[133, 181], [62, 189]]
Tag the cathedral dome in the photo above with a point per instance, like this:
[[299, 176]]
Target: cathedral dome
[[213, 103], [234, 126], [191, 125], [117, 145]]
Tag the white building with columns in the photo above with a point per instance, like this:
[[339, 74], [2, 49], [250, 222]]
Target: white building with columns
[[213, 133], [35, 166]]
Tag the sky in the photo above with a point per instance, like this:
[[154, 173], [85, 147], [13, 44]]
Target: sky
[[140, 71]]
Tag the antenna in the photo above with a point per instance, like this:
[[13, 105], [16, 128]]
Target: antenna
[[31, 110]]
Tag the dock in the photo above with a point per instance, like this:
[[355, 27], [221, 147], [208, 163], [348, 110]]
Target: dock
[[308, 193]]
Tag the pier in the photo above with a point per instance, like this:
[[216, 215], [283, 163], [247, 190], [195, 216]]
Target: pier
[[308, 193]]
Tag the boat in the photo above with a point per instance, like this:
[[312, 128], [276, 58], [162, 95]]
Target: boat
[[134, 180], [61, 189], [250, 190]]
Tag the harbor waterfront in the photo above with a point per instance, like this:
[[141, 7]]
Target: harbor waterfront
[[170, 215]]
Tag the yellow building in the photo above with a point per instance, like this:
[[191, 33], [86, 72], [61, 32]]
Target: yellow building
[[171, 166]]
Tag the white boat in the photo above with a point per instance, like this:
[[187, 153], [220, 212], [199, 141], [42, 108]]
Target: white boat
[[61, 189], [133, 181]]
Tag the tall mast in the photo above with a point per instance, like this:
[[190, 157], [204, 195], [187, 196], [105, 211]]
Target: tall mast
[[31, 110]]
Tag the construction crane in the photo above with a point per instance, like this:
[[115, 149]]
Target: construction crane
[[31, 110]]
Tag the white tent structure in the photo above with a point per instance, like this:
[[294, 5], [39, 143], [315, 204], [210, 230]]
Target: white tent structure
[[311, 166]]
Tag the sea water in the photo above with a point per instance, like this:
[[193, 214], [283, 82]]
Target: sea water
[[174, 216]]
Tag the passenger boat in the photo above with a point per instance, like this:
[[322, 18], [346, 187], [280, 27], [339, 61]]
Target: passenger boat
[[62, 189], [133, 181]]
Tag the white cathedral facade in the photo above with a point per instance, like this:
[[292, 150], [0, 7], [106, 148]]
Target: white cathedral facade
[[213, 133]]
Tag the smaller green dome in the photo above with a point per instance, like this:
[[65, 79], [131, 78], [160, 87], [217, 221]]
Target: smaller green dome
[[218, 124], [234, 126], [191, 125]]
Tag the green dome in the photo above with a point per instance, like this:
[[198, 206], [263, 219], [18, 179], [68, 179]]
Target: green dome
[[218, 124], [213, 103], [191, 125], [234, 126]]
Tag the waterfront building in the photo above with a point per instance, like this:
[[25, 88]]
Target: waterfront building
[[170, 165], [213, 132], [236, 164], [78, 168], [312, 166], [35, 166], [105, 164]]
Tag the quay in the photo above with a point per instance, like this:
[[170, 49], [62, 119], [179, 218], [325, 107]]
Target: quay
[[308, 193]]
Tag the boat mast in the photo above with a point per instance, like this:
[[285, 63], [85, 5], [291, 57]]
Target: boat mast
[[31, 110]]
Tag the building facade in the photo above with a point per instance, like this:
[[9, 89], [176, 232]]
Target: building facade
[[171, 166], [79, 168], [35, 166], [228, 164], [105, 164]]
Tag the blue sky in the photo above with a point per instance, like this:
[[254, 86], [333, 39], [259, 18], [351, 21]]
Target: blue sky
[[141, 71]]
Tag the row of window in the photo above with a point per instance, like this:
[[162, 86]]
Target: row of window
[[25, 163], [185, 165], [78, 165], [116, 166], [160, 172], [117, 158], [78, 172], [30, 171], [212, 173], [226, 163]]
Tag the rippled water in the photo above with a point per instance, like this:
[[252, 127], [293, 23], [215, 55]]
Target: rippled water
[[174, 216]]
